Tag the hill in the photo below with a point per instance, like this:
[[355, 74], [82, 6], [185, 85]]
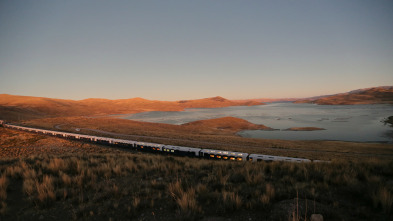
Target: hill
[[376, 95], [14, 107], [226, 123]]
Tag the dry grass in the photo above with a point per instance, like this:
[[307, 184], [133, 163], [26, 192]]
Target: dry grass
[[268, 195], [383, 198], [232, 201], [188, 204], [17, 144], [138, 182], [3, 187], [45, 189]]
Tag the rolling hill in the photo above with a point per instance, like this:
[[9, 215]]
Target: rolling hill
[[13, 107], [226, 123], [375, 95]]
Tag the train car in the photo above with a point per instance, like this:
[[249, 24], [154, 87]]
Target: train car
[[130, 143], [261, 157], [223, 155], [181, 151], [295, 160], [151, 147], [269, 158]]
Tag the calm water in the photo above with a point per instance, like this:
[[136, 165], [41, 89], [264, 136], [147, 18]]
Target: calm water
[[342, 122]]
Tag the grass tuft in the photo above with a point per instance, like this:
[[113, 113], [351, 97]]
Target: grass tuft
[[384, 198], [231, 200], [3, 187], [45, 190]]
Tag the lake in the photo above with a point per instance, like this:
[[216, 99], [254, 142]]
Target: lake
[[342, 122]]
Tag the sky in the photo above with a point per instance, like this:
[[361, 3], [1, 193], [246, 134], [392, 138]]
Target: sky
[[174, 50]]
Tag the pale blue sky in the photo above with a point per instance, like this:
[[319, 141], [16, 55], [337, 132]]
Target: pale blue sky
[[172, 50]]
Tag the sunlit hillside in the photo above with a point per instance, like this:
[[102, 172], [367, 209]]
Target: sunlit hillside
[[14, 107], [378, 95]]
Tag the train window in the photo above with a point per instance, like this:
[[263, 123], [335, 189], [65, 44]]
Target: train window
[[225, 158], [212, 156], [239, 159], [219, 157], [232, 158], [172, 151]]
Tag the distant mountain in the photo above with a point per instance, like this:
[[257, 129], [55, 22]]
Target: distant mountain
[[269, 100], [14, 107], [375, 95]]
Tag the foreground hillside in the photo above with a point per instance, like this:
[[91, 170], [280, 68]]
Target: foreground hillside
[[137, 186], [378, 95], [24, 107]]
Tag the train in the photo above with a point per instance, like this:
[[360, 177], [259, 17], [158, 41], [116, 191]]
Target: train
[[162, 148]]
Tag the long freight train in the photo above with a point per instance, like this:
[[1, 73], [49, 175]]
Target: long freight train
[[161, 148]]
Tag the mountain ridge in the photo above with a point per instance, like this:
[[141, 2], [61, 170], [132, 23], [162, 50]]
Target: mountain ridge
[[37, 107], [372, 95]]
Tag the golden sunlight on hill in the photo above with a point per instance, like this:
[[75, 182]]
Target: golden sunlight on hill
[[226, 123], [378, 95], [14, 107]]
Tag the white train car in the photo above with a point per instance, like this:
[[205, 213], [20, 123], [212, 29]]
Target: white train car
[[224, 155], [261, 157], [146, 146], [269, 158], [182, 151]]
